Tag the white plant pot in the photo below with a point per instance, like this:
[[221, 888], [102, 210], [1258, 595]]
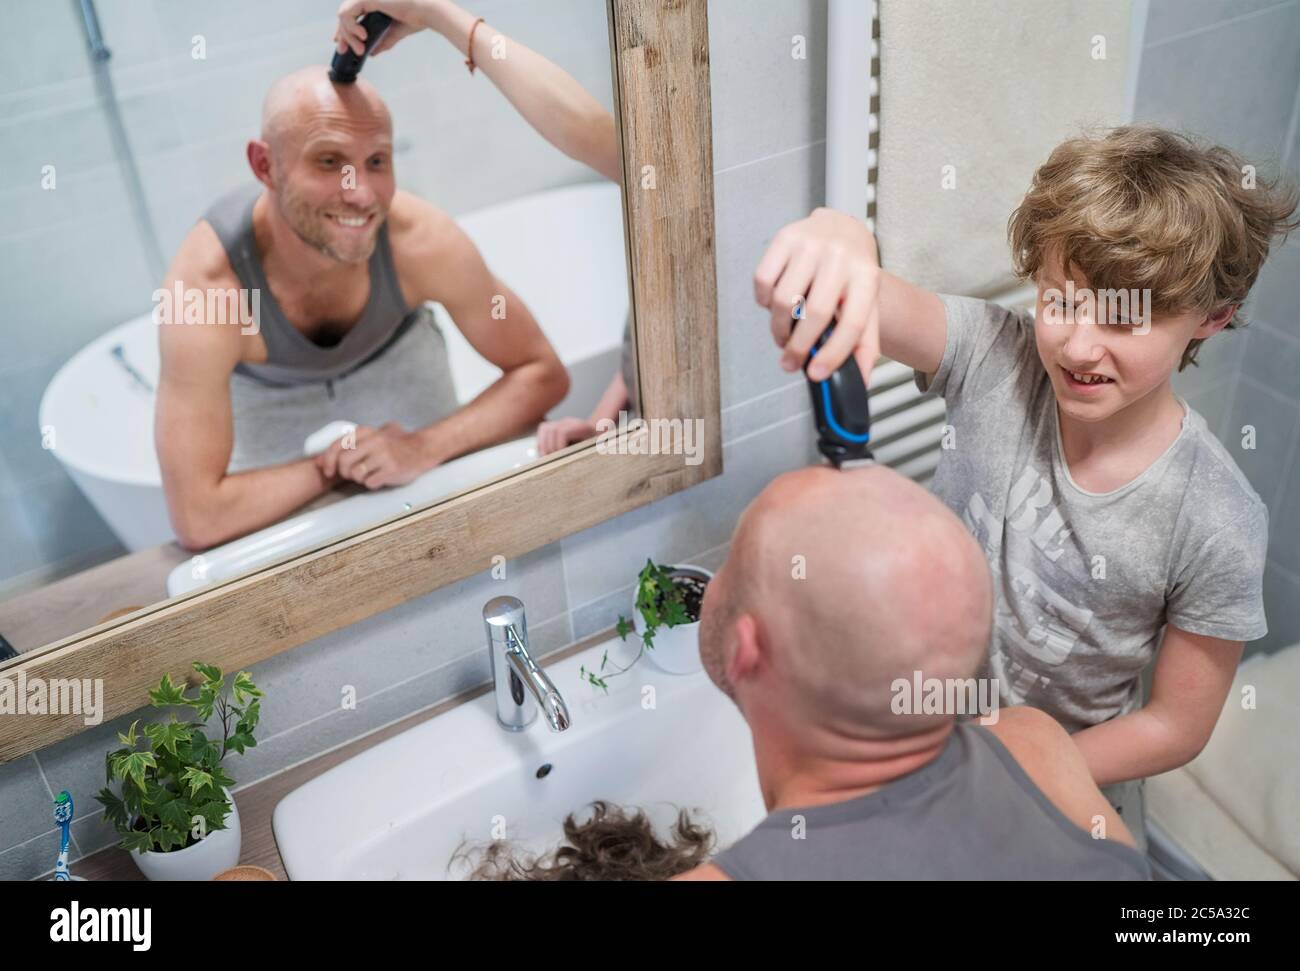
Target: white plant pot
[[217, 851], [677, 649]]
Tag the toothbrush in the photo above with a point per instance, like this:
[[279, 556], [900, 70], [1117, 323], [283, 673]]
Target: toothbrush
[[63, 816]]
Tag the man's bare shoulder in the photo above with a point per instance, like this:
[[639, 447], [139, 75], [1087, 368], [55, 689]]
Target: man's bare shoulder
[[435, 258], [1054, 763], [415, 223], [705, 871], [201, 260], [200, 266]]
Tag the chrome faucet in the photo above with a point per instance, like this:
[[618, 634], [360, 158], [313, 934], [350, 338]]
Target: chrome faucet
[[520, 685]]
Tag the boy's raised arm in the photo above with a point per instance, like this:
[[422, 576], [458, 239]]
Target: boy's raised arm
[[828, 265]]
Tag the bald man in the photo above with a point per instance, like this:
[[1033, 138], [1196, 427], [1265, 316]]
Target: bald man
[[333, 267], [859, 782]]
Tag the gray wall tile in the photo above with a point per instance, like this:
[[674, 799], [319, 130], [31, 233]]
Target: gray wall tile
[[50, 56], [29, 859], [1284, 514], [1248, 108], [64, 526], [1213, 404], [20, 555], [765, 101], [1273, 360], [1172, 18], [1275, 301], [1275, 421], [26, 804], [790, 186], [750, 416], [685, 523], [1218, 360]]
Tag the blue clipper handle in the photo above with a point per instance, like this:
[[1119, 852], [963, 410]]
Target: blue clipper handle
[[840, 410]]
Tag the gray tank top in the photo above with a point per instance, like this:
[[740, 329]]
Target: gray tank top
[[292, 358], [970, 814]]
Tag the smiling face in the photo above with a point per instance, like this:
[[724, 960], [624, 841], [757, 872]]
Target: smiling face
[[1103, 354], [331, 167]]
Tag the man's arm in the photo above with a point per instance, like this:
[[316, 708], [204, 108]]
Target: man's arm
[[436, 260], [1051, 759], [194, 427], [443, 264], [1191, 681], [559, 108], [452, 272]]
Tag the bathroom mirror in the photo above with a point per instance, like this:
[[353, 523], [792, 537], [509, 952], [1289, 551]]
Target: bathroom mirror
[[117, 454], [618, 281]]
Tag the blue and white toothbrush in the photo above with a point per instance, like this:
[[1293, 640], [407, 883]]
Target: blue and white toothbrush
[[63, 816]]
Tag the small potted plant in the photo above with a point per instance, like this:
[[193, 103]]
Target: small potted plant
[[175, 814], [668, 598]]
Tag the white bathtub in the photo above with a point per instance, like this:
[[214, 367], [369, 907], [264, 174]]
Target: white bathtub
[[102, 416]]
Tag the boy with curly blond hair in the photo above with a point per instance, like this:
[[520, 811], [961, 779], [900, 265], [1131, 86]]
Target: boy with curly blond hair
[[1117, 526]]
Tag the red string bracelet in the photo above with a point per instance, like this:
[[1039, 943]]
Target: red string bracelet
[[469, 48]]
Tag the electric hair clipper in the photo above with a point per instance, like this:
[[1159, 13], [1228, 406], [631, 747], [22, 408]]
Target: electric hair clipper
[[346, 66], [840, 411]]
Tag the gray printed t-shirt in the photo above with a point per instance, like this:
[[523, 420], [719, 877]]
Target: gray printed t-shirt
[[1086, 581]]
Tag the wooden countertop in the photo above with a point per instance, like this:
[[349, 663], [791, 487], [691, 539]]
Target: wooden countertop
[[258, 800], [76, 603], [85, 599]]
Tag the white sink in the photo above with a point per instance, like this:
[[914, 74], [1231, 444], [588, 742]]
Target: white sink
[[400, 810]]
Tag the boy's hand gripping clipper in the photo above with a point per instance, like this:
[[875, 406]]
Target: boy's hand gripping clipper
[[840, 411], [345, 67]]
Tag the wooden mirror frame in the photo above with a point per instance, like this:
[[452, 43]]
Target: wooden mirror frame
[[660, 59]]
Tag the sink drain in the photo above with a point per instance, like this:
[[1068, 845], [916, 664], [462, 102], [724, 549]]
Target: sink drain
[[544, 771]]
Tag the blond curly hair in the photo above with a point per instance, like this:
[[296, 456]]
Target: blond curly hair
[[1140, 207]]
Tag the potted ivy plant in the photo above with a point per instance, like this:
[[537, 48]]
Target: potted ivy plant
[[175, 813], [668, 600]]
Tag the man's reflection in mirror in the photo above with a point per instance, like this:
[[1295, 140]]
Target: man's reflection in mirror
[[556, 106], [342, 263]]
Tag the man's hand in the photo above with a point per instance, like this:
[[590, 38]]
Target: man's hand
[[387, 456], [555, 435], [824, 266]]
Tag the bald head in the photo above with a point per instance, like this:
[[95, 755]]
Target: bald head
[[852, 579], [299, 101], [325, 157]]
